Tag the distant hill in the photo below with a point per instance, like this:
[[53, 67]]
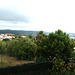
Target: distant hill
[[19, 32], [26, 33], [72, 34]]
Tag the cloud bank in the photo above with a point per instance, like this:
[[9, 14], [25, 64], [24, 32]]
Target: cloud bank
[[12, 16]]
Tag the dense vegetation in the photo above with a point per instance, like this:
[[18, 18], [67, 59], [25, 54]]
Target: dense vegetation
[[55, 46], [23, 48]]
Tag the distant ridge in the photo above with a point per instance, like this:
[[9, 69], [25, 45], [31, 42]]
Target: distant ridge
[[19, 32], [26, 33]]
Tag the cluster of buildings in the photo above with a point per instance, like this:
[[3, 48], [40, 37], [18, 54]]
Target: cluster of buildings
[[7, 36]]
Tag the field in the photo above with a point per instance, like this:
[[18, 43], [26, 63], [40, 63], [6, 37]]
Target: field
[[11, 61]]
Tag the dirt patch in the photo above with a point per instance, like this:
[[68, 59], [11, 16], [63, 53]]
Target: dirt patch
[[12, 61]]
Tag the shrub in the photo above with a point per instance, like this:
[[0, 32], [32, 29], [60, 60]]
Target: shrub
[[22, 48]]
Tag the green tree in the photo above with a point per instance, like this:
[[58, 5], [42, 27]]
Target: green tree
[[56, 44], [30, 36], [40, 35], [6, 39]]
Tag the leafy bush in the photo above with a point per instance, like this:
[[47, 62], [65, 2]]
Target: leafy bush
[[2, 47], [60, 67], [22, 48]]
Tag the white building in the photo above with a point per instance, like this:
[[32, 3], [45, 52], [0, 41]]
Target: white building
[[4, 36]]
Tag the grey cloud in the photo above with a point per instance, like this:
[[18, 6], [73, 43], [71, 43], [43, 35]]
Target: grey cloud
[[12, 16]]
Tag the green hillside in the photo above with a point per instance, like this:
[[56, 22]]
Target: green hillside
[[19, 32]]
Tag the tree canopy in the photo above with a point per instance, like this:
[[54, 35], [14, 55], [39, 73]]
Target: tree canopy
[[56, 44]]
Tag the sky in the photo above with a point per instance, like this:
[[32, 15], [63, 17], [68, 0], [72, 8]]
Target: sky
[[36, 15]]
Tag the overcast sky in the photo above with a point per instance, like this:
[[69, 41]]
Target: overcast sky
[[46, 15]]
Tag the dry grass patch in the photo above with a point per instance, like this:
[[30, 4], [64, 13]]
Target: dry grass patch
[[11, 61]]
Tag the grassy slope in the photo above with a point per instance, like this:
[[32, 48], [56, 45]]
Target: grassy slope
[[11, 61]]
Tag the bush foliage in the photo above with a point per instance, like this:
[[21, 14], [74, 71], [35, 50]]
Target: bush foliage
[[55, 44]]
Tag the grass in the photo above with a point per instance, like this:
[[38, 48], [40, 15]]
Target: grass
[[11, 61]]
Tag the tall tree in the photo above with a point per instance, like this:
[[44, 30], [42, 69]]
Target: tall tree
[[55, 44]]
